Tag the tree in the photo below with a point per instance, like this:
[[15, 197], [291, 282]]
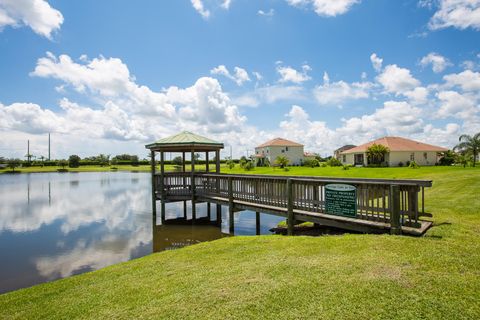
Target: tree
[[13, 163], [376, 153], [469, 145], [230, 164], [448, 158], [74, 161], [178, 161], [103, 160], [243, 161], [282, 161]]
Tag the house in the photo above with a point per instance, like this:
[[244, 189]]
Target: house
[[309, 156], [270, 150], [337, 153], [402, 151]]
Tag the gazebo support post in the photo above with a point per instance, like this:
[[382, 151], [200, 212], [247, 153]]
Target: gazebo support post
[[207, 163], [154, 196], [257, 223], [162, 188], [192, 181], [217, 170]]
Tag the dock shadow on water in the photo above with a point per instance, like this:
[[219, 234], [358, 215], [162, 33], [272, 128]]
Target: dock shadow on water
[[55, 225]]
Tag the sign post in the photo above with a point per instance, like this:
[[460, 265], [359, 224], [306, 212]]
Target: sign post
[[341, 200]]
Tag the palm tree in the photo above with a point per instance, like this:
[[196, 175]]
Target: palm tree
[[376, 153], [282, 161], [469, 145]]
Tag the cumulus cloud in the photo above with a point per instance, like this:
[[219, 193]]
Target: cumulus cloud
[[341, 91], [397, 80], [460, 14], [376, 62], [327, 8], [121, 109], [289, 74], [201, 7], [36, 14], [239, 75], [438, 62], [454, 104], [467, 80]]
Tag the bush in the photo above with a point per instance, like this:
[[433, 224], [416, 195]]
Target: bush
[[231, 164], [311, 163], [346, 167], [413, 165], [323, 165], [334, 162], [400, 164], [448, 159], [74, 161], [249, 166]]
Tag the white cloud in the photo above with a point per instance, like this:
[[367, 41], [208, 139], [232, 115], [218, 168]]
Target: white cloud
[[454, 104], [467, 80], [204, 8], [199, 7], [36, 14], [417, 96], [270, 94], [397, 80], [376, 62], [327, 8], [460, 14], [289, 74], [269, 13], [240, 75], [341, 91], [438, 62]]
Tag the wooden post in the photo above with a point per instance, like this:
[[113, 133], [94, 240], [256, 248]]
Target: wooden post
[[395, 227], [290, 219], [230, 206], [217, 170], [207, 163], [154, 195], [413, 203], [217, 161], [185, 210], [208, 211], [257, 223], [192, 182], [162, 186]]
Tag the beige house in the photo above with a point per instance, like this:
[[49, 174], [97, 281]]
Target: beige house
[[279, 147], [401, 151], [337, 153]]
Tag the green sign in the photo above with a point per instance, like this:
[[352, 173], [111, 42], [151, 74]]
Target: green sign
[[341, 200]]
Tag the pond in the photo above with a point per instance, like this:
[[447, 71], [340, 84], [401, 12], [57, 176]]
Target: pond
[[55, 225]]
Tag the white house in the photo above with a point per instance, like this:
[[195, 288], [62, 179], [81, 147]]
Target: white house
[[280, 147], [401, 151]]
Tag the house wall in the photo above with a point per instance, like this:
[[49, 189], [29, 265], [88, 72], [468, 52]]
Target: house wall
[[393, 158], [428, 158], [294, 154]]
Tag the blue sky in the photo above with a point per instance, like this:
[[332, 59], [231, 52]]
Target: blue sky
[[111, 76]]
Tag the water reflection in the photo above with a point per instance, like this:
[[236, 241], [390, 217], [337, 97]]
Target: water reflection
[[54, 225]]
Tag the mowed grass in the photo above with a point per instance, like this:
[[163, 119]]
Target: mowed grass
[[270, 277]]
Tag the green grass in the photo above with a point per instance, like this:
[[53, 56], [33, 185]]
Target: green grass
[[271, 277]]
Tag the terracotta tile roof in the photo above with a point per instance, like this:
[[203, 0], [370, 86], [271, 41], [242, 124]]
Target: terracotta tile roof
[[280, 142], [345, 147], [397, 144]]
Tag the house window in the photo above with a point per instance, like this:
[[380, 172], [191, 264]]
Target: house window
[[412, 156], [344, 158], [425, 156]]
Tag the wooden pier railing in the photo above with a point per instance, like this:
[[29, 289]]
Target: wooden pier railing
[[390, 204]]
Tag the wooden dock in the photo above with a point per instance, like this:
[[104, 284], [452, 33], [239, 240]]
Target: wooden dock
[[393, 206]]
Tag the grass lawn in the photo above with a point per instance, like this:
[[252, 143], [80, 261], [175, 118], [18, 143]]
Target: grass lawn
[[271, 277]]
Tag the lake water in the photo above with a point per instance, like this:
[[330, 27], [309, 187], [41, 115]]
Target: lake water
[[54, 225]]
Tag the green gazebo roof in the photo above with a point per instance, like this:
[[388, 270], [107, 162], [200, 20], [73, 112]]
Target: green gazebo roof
[[185, 141]]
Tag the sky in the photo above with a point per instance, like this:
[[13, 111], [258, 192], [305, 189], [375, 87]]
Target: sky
[[111, 76]]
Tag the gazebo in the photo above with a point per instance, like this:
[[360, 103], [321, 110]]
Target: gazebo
[[184, 143]]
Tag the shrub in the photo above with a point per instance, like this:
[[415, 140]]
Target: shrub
[[311, 163], [249, 166], [323, 165], [400, 164], [230, 164], [413, 165], [407, 163], [345, 167], [334, 162]]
